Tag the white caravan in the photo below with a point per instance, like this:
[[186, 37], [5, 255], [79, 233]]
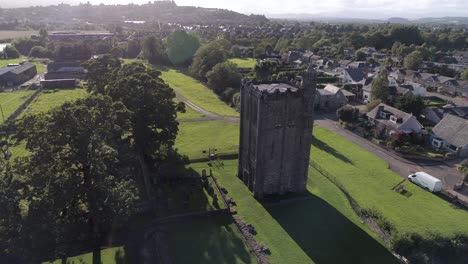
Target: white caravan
[[426, 181]]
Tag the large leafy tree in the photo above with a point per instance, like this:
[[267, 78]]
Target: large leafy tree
[[153, 50], [207, 57], [153, 114], [100, 71], [413, 60], [379, 88], [181, 46], [410, 104], [10, 212], [79, 184], [11, 52], [222, 76]]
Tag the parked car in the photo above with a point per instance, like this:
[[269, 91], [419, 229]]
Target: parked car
[[426, 181]]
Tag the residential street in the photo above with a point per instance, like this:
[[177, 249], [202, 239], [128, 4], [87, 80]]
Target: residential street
[[446, 171]]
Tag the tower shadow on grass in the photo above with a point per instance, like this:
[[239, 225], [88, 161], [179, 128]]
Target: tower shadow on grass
[[325, 147], [327, 236]]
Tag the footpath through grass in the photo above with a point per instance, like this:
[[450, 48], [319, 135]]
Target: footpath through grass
[[10, 101], [196, 92], [370, 182], [49, 99], [244, 63]]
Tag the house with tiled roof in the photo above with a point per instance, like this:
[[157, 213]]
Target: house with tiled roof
[[451, 134], [388, 119]]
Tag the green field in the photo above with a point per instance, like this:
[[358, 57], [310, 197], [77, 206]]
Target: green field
[[108, 256], [323, 228], [196, 137], [320, 229], [39, 66], [4, 63], [368, 179], [244, 63], [10, 101], [207, 240], [49, 99], [12, 34], [196, 92]]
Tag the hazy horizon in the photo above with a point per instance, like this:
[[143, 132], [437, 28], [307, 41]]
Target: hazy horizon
[[376, 9]]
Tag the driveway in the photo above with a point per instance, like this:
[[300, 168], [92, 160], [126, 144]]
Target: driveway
[[446, 171]]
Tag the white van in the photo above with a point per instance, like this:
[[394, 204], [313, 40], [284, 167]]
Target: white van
[[426, 181]]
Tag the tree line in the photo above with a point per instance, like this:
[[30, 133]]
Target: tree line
[[90, 162]]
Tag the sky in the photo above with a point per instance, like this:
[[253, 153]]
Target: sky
[[337, 8]]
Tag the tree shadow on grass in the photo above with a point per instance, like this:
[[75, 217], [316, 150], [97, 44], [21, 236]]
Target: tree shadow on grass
[[207, 240], [327, 236], [325, 147]]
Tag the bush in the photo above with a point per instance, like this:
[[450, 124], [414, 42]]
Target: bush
[[40, 52], [373, 104], [432, 249], [347, 113]]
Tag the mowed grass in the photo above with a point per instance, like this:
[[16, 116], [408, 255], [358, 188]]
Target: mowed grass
[[196, 137], [49, 99], [369, 181], [4, 63], [10, 101], [207, 240], [189, 113], [40, 67], [108, 256], [320, 227], [244, 63], [196, 92]]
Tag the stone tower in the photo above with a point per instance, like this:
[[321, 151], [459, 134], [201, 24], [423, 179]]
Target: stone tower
[[275, 135]]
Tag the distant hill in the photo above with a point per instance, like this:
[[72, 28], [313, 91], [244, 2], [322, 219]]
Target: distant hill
[[156, 11], [397, 20]]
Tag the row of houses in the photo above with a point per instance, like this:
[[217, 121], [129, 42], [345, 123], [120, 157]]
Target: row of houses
[[449, 134]]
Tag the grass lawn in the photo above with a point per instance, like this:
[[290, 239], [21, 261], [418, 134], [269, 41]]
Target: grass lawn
[[108, 256], [207, 240], [196, 92], [4, 63], [195, 137], [244, 63], [10, 101], [321, 229], [49, 99], [369, 181], [39, 66]]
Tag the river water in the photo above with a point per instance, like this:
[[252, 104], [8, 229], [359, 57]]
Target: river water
[[3, 45]]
